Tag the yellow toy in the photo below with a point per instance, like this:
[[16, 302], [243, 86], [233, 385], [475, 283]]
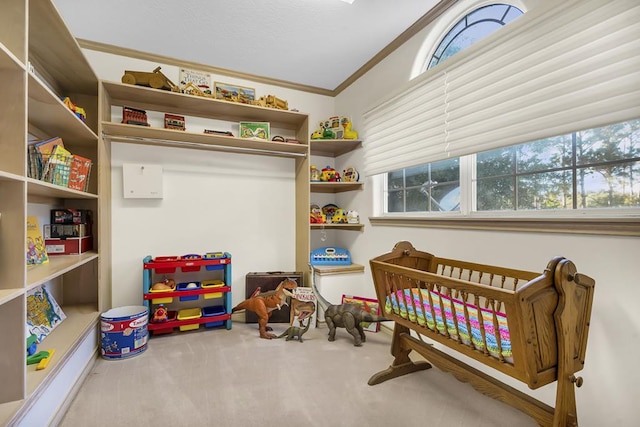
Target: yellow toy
[[348, 132]]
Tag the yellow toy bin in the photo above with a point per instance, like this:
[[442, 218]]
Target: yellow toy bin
[[164, 300], [189, 313], [208, 284]]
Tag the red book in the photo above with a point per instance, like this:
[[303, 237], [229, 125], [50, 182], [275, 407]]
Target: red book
[[79, 175]]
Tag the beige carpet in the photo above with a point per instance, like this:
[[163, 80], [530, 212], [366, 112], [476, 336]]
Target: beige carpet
[[233, 378]]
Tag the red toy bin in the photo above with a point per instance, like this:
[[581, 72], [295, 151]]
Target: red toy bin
[[187, 258], [157, 329], [162, 270]]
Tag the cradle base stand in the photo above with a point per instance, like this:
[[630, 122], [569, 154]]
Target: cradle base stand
[[395, 371], [544, 414]]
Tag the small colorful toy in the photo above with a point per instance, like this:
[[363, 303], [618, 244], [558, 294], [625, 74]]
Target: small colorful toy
[[329, 174], [134, 116], [314, 174], [171, 121], [78, 111], [160, 314], [348, 132], [353, 217], [350, 174]]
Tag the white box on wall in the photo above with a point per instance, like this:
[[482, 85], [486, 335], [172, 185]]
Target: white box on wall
[[142, 181]]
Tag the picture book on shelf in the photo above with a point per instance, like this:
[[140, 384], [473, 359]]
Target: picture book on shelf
[[79, 174], [368, 304], [57, 169], [36, 251], [44, 148], [43, 312]]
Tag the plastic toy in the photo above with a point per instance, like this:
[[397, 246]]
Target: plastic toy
[[314, 174], [32, 344], [155, 79], [263, 304], [329, 174], [350, 174], [78, 111], [339, 217], [353, 217], [324, 132], [160, 314], [348, 132]]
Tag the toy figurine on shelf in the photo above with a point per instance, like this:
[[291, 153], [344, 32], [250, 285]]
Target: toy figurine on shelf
[[348, 132], [314, 174], [316, 216], [329, 174], [324, 132], [350, 174]]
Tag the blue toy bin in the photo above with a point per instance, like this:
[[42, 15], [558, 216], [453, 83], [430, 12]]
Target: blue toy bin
[[214, 310], [188, 286]]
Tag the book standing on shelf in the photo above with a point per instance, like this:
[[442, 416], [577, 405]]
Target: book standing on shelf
[[36, 250], [79, 175], [58, 167]]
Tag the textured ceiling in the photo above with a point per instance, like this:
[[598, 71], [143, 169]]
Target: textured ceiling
[[318, 43]]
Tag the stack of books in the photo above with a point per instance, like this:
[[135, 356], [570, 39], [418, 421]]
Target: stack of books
[[51, 162]]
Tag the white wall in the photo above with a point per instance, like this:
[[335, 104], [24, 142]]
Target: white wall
[[611, 374], [213, 201]]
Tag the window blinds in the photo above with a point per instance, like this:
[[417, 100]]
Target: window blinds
[[573, 65]]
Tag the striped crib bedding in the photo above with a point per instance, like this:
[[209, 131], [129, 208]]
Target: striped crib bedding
[[400, 303]]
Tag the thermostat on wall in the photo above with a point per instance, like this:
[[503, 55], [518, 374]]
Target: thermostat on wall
[[142, 181]]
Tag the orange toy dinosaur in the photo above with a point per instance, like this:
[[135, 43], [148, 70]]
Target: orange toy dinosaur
[[262, 304]]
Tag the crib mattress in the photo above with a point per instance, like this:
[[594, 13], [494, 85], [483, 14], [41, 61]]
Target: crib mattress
[[413, 305]]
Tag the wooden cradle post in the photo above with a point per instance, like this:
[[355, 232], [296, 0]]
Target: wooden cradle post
[[566, 316], [530, 326]]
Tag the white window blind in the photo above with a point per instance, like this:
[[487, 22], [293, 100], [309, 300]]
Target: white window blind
[[570, 66]]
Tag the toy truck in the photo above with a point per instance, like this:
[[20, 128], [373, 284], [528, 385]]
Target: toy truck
[[156, 79]]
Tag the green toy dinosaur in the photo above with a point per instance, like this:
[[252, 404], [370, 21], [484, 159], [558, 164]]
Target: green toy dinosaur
[[293, 332], [348, 316]]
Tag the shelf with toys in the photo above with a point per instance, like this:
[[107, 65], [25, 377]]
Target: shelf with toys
[[173, 287], [144, 98], [333, 138]]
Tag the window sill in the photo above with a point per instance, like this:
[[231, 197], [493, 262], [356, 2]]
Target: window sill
[[597, 226]]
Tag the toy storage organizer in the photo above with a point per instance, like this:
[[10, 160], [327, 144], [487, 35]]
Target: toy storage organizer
[[202, 294]]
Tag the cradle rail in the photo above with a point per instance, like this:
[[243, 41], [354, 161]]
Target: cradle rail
[[471, 308]]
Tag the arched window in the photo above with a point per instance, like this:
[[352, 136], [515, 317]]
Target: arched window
[[435, 187], [473, 27]]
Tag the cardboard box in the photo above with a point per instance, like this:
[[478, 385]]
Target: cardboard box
[[69, 246], [61, 231]]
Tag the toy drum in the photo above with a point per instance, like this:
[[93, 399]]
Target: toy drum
[[124, 331]]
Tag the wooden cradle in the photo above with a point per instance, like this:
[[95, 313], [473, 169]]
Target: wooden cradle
[[534, 325]]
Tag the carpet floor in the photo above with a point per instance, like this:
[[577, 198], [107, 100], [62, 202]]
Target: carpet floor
[[219, 377]]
